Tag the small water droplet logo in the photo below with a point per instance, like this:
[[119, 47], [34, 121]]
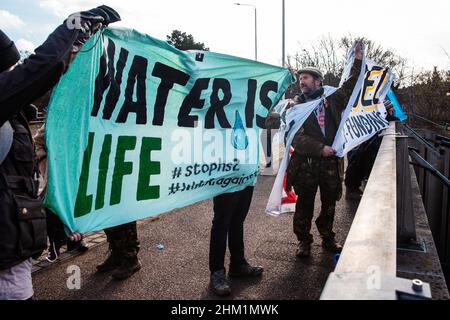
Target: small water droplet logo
[[239, 137]]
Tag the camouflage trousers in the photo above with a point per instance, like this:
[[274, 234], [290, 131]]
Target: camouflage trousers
[[123, 240], [316, 173]]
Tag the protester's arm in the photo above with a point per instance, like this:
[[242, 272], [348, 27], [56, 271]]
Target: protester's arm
[[37, 74], [341, 97], [42, 70], [273, 119]]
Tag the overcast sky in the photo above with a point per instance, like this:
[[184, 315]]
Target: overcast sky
[[418, 31]]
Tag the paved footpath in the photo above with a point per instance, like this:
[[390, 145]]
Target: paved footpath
[[180, 270]]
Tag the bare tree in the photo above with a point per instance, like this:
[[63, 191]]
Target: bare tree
[[329, 54], [384, 57], [425, 99], [326, 55]]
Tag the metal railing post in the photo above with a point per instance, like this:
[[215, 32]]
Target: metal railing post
[[406, 224]]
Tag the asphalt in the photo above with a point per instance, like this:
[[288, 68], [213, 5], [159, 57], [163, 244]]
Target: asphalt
[[180, 270]]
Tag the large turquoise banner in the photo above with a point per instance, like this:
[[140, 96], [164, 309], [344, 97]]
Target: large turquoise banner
[[136, 128]]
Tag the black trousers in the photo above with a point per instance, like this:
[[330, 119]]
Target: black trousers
[[230, 211], [360, 162], [55, 229]]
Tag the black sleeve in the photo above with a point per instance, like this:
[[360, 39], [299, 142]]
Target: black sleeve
[[38, 74], [340, 98]]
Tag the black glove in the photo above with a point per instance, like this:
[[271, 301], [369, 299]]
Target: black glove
[[89, 22], [107, 13], [94, 18]]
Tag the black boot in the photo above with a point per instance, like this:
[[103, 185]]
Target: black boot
[[352, 193], [246, 270], [127, 268], [303, 249], [111, 263], [331, 245], [219, 284]]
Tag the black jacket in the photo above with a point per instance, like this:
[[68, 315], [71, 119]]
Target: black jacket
[[22, 218]]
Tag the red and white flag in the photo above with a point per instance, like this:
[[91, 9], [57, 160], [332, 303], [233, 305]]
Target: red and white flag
[[289, 198]]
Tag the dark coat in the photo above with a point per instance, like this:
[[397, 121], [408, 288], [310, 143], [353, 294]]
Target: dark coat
[[18, 183], [309, 141]]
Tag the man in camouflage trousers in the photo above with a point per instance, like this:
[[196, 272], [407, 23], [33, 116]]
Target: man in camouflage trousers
[[124, 247], [313, 163]]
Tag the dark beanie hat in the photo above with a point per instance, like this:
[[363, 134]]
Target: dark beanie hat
[[9, 55]]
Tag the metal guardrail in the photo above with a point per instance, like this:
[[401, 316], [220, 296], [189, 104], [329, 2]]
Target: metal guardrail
[[367, 266], [406, 224], [419, 161], [420, 139], [443, 141], [433, 176], [443, 126]]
